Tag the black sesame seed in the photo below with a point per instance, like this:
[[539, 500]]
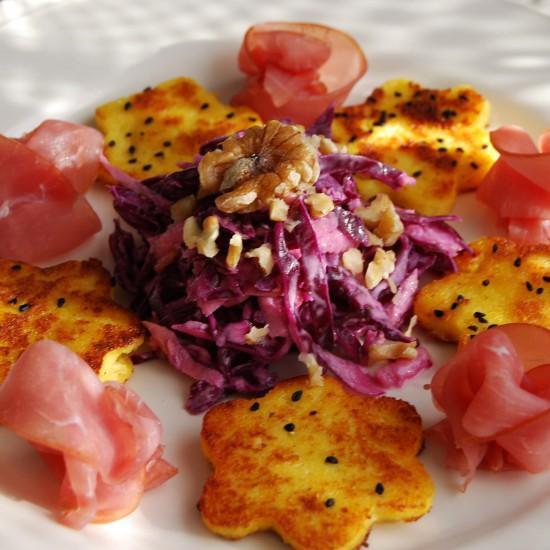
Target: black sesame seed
[[379, 489], [540, 290], [448, 113], [60, 302], [432, 97], [473, 328], [127, 105], [479, 314], [442, 149], [495, 247], [409, 104], [159, 154], [482, 320], [252, 118], [454, 162], [418, 93], [24, 307], [330, 502], [492, 326], [132, 161], [297, 395], [312, 413], [331, 460], [112, 143], [439, 313], [454, 305], [147, 167], [167, 143], [132, 149], [474, 165], [205, 106], [13, 301], [352, 138], [484, 146], [392, 115], [463, 97], [149, 120], [397, 94], [440, 140], [142, 133], [460, 298], [546, 278], [517, 262], [459, 150], [254, 406], [230, 115], [371, 99], [128, 134], [417, 174], [147, 89], [290, 427], [486, 282], [472, 336], [17, 267], [529, 286]]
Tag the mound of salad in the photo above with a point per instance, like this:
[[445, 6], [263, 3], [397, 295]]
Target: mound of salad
[[263, 247]]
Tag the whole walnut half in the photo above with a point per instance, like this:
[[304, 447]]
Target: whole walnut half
[[257, 166]]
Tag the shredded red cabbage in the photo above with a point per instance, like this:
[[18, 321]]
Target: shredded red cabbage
[[205, 317]]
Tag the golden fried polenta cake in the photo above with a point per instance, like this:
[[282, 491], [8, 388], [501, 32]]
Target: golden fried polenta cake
[[317, 464], [438, 136], [149, 133], [501, 283], [70, 303]]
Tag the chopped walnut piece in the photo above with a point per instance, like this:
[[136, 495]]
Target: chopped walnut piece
[[314, 370], [204, 240], [206, 243], [380, 267], [326, 146], [352, 260], [278, 210], [381, 217], [182, 209], [264, 256], [191, 232], [391, 350], [262, 164], [319, 204], [256, 335], [412, 324], [234, 250]]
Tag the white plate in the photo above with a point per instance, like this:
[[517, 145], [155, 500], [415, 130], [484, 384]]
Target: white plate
[[503, 510]]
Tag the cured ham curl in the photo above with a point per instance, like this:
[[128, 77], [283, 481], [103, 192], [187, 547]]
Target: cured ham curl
[[101, 440], [297, 70], [517, 187], [495, 393], [43, 210]]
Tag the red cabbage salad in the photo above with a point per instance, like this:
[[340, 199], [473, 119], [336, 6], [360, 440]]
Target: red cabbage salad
[[337, 287]]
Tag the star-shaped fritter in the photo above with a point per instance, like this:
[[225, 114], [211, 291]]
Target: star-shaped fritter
[[317, 464], [70, 303], [438, 136], [500, 283]]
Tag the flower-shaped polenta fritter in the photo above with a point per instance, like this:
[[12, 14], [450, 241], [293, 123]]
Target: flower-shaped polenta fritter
[[317, 464], [500, 283]]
